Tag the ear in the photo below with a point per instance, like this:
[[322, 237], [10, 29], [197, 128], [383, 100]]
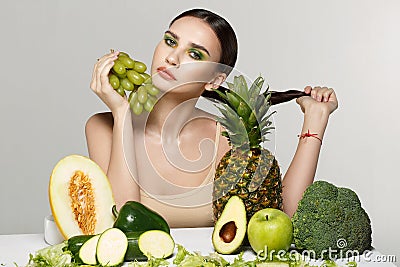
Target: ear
[[216, 82]]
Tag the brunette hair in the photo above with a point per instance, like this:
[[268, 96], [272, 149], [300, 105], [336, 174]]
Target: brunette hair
[[229, 50], [222, 29]]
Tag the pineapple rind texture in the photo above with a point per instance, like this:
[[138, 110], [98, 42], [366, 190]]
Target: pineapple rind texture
[[255, 179]]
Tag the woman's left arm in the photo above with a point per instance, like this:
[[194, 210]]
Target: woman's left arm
[[316, 108]]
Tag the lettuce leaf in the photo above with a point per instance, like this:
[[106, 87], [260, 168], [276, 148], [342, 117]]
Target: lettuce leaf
[[52, 256], [185, 258], [151, 262]]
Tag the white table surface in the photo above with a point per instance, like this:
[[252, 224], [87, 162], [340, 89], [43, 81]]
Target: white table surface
[[15, 249]]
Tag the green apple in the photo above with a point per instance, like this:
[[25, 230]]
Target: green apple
[[270, 230]]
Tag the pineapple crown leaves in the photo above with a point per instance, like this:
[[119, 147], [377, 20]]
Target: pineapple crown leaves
[[244, 112], [236, 131]]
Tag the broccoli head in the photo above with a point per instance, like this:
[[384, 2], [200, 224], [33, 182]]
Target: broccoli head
[[330, 222]]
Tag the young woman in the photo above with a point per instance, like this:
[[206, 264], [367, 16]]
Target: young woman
[[164, 160]]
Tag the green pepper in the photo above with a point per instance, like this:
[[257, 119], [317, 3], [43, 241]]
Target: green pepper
[[136, 217]]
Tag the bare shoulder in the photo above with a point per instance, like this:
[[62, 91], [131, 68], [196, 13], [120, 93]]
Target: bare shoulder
[[98, 121], [99, 130], [203, 114], [206, 125], [202, 124]]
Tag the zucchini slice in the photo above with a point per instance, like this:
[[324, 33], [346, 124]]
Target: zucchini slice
[[87, 253], [156, 243], [75, 243], [111, 247]]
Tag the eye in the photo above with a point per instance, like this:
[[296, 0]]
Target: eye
[[170, 41], [195, 54]]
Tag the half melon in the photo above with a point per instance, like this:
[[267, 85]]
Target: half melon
[[80, 196]]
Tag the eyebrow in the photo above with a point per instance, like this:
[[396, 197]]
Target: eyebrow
[[192, 44]]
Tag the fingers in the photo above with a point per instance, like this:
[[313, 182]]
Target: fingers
[[307, 90], [300, 101], [101, 70], [320, 94]]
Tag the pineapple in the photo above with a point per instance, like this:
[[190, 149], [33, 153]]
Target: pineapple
[[248, 170]]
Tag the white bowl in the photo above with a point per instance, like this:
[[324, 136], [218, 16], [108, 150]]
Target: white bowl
[[52, 235]]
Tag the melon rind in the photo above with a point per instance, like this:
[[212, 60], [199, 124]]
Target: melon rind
[[60, 202]]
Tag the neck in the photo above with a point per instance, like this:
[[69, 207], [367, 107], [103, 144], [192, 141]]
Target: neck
[[171, 113]]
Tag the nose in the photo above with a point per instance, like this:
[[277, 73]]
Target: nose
[[172, 59]]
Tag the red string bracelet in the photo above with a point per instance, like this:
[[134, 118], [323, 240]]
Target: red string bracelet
[[308, 134]]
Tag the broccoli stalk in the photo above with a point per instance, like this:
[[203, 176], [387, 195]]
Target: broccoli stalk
[[330, 222]]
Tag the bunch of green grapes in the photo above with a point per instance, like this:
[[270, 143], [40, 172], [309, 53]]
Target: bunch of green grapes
[[129, 75]]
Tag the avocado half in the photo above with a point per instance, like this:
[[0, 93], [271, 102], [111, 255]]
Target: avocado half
[[230, 228]]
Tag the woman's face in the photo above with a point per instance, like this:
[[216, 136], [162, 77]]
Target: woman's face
[[187, 56]]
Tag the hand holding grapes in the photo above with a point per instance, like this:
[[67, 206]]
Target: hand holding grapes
[[101, 86], [120, 72]]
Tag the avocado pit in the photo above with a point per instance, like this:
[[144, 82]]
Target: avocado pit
[[228, 232]]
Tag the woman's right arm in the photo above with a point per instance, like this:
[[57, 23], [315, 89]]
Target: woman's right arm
[[110, 136]]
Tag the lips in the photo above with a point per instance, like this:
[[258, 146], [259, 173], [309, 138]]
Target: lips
[[163, 72]]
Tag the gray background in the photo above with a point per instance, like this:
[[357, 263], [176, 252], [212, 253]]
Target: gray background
[[48, 49]]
